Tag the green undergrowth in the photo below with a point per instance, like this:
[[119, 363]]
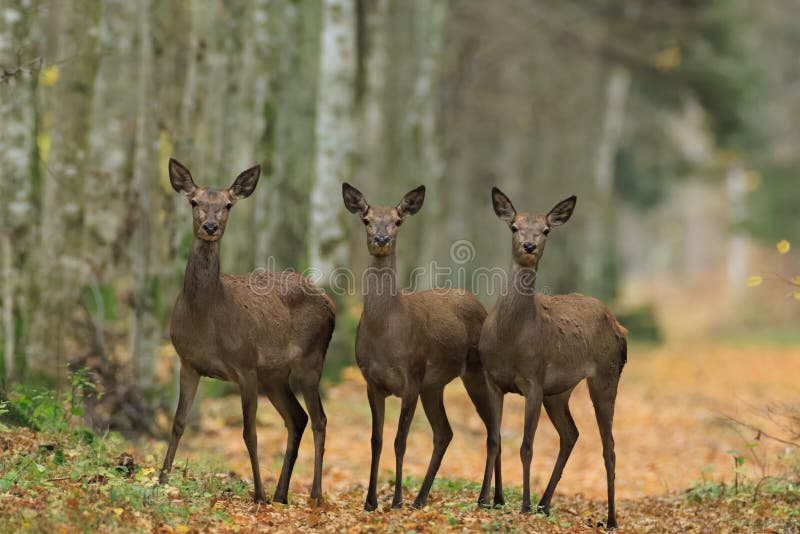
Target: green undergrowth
[[58, 475]]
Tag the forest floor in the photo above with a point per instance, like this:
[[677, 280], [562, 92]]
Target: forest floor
[[681, 465]]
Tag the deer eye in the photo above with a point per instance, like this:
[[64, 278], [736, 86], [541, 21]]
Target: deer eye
[[228, 206], [546, 231], [365, 221], [193, 203], [398, 222], [514, 229]]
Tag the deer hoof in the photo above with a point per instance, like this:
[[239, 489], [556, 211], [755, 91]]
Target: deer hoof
[[370, 507], [485, 505], [543, 509], [397, 504], [418, 505], [611, 524], [500, 502], [526, 509], [163, 478]]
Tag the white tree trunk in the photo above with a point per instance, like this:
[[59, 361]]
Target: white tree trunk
[[619, 81], [425, 113], [737, 245], [334, 135], [143, 332], [601, 235], [8, 307], [16, 143]]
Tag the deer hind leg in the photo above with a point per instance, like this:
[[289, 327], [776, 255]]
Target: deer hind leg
[[533, 407], [377, 405], [557, 407], [433, 404], [248, 386], [295, 420], [604, 393], [407, 408], [188, 387], [319, 423], [488, 401]]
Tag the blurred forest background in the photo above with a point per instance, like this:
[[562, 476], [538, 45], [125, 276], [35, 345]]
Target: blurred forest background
[[673, 122]]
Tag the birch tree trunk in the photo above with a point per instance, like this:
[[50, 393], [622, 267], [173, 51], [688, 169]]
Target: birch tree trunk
[[424, 123], [262, 136], [17, 140], [334, 135], [61, 267], [8, 311], [602, 273], [290, 140], [737, 243], [144, 326]]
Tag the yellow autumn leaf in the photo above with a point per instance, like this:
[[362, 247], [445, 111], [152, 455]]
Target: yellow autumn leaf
[[118, 511], [783, 246], [796, 280], [796, 295], [43, 140], [753, 281], [668, 59], [181, 528], [49, 76]]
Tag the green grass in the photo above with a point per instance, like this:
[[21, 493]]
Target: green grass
[[771, 337]]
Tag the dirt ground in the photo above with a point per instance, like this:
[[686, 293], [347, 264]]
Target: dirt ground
[[668, 429]]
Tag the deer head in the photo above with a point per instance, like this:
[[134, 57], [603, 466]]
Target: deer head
[[528, 231], [382, 222], [210, 207]]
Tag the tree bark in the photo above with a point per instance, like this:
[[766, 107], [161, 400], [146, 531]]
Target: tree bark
[[61, 267], [334, 136], [144, 330], [602, 273]]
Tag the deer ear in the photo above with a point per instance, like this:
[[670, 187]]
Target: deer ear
[[245, 183], [181, 178], [562, 211], [412, 202], [354, 200], [503, 206]]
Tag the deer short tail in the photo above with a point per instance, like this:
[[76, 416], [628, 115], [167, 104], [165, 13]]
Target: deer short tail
[[623, 354]]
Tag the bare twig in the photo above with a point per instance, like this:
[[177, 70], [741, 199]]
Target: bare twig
[[8, 73], [754, 428]]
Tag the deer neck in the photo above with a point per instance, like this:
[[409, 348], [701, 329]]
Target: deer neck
[[201, 282], [520, 300], [381, 294]]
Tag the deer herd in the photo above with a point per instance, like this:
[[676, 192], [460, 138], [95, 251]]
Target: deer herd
[[408, 344]]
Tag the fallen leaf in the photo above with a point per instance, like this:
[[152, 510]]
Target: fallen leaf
[[783, 246]]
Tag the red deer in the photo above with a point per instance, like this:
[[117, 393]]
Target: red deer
[[542, 346], [412, 344], [255, 329]]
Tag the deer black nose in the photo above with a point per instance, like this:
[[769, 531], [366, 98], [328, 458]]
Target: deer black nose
[[381, 240], [529, 247], [210, 227]]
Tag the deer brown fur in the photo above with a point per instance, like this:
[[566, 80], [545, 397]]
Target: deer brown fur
[[255, 329], [412, 344], [542, 346]]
